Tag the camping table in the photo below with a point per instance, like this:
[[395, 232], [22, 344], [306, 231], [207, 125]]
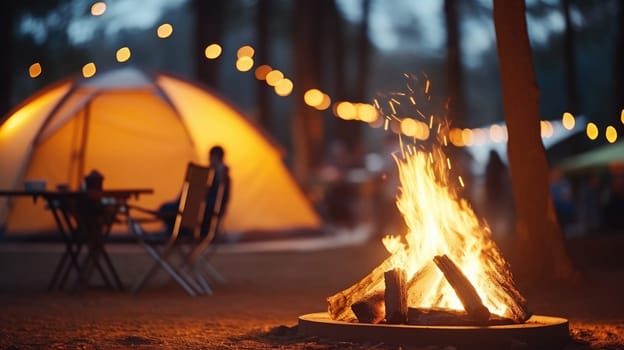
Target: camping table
[[84, 218]]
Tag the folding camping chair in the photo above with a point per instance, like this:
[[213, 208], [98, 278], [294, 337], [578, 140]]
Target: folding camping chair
[[185, 238]]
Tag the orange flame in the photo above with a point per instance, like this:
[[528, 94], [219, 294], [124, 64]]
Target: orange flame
[[438, 223]]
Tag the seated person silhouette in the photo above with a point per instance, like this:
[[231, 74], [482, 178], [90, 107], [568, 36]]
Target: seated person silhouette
[[217, 194]]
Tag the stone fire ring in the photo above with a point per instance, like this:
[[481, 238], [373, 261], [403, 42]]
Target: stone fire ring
[[539, 330]]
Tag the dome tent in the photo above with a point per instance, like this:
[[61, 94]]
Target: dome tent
[[140, 129]]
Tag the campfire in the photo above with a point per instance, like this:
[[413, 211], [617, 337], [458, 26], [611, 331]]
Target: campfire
[[445, 270]]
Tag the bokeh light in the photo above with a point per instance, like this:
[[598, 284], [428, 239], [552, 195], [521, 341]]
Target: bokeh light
[[455, 136], [568, 121], [592, 131], [245, 51], [273, 77], [467, 137], [284, 87], [622, 116], [611, 134], [346, 110], [123, 54], [34, 70], [313, 97], [244, 64], [497, 134], [98, 8], [213, 51], [366, 112], [88, 70], [164, 30], [409, 127], [324, 104], [546, 128], [262, 71]]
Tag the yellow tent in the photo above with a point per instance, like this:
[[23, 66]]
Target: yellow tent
[[140, 129]]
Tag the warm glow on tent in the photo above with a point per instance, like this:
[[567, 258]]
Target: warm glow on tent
[[245, 51], [284, 87], [274, 76], [34, 70], [325, 103], [313, 97], [98, 8], [244, 64], [568, 121], [367, 112], [88, 70], [611, 134], [164, 30], [592, 131], [262, 71], [346, 110], [213, 51], [497, 134], [123, 54]]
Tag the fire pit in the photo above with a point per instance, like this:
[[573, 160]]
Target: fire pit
[[445, 282], [542, 331]]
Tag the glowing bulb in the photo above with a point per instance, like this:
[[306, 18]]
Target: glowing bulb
[[34, 70], [592, 131], [409, 127], [313, 97], [366, 112], [246, 50], [262, 71], [497, 134], [98, 8], [273, 77], [164, 30], [88, 70], [346, 110], [244, 63], [324, 104], [622, 116], [284, 87], [455, 136], [213, 51], [568, 121], [611, 134], [123, 54], [546, 128]]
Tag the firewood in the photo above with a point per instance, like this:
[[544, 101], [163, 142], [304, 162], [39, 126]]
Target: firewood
[[463, 288], [395, 296], [339, 304], [370, 309], [448, 317]]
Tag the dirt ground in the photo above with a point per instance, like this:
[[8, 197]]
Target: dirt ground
[[258, 306]]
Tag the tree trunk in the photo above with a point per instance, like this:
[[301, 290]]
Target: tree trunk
[[6, 59], [307, 128], [262, 57], [454, 80], [536, 225], [209, 22]]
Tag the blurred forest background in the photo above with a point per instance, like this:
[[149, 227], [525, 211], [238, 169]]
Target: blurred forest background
[[351, 49]]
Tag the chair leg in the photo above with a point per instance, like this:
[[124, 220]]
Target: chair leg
[[160, 262]]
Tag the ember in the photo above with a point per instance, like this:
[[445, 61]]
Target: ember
[[472, 278]]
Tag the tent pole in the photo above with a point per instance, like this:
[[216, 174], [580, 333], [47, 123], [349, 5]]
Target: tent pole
[[83, 144]]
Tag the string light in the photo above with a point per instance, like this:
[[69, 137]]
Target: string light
[[611, 134], [34, 70], [568, 121], [88, 70], [98, 8], [213, 51], [592, 131], [123, 54], [164, 31]]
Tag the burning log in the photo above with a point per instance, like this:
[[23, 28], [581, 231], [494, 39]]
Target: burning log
[[463, 288], [339, 304], [371, 309], [395, 296]]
